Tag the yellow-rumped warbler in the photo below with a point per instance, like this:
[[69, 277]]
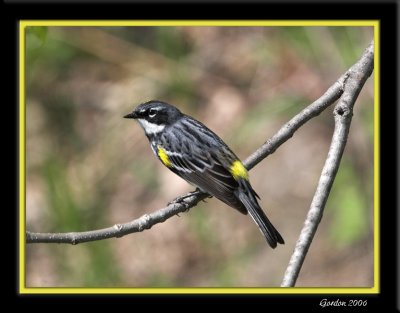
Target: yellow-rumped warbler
[[195, 153]]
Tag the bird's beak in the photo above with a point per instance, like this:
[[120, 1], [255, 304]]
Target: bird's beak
[[131, 115]]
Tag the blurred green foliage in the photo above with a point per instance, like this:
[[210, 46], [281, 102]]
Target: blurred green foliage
[[351, 206], [67, 216], [66, 212], [88, 168]]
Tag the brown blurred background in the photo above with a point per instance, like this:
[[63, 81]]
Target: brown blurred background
[[89, 168]]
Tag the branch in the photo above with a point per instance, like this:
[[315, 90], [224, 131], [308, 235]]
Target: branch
[[343, 112], [149, 220], [118, 230]]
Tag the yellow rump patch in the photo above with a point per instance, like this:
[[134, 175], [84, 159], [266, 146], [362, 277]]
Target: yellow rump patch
[[163, 156], [238, 170]]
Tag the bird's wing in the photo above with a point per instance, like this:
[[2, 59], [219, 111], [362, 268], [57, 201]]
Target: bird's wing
[[210, 176], [205, 165]]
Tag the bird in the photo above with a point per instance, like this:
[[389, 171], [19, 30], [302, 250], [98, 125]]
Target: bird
[[195, 153]]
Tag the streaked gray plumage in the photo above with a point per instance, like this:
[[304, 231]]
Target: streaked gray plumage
[[195, 153]]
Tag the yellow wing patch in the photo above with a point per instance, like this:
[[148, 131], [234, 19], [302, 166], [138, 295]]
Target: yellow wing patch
[[163, 156], [238, 170]]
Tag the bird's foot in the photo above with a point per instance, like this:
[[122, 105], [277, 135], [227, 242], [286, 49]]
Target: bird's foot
[[188, 195]]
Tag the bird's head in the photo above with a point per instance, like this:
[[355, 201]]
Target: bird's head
[[155, 115]]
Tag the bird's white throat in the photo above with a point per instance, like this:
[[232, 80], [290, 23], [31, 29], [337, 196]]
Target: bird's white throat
[[150, 128]]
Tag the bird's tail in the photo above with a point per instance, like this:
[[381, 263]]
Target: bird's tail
[[247, 196]]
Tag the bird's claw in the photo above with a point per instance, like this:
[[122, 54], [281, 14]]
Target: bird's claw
[[181, 199]]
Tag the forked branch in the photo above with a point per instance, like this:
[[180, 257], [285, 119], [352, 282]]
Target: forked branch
[[346, 88]]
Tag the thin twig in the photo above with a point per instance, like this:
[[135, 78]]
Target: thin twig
[[343, 112], [118, 230], [149, 220]]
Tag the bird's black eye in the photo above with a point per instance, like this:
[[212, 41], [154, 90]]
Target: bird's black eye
[[152, 113]]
